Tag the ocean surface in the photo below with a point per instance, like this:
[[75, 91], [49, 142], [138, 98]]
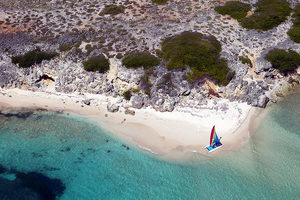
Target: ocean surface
[[48, 155]]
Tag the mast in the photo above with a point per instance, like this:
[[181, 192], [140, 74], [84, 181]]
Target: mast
[[212, 136]]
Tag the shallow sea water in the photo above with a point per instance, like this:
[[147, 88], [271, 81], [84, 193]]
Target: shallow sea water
[[47, 155]]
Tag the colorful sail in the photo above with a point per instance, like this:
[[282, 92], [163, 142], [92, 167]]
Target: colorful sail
[[213, 137], [214, 143]]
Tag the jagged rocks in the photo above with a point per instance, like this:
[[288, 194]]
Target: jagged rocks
[[262, 65], [8, 76], [163, 105], [174, 93], [269, 75], [124, 76], [137, 101], [263, 101], [86, 102], [129, 112], [112, 108]]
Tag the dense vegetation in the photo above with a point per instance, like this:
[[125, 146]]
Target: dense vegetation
[[245, 60], [127, 94], [283, 60], [140, 59], [201, 53], [268, 14], [159, 1], [235, 9], [32, 57], [65, 47], [97, 63], [113, 9], [294, 32]]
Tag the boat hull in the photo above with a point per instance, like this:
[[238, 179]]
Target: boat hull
[[210, 149]]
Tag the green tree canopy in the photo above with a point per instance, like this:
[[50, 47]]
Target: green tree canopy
[[159, 1], [235, 9], [201, 53], [283, 60], [32, 57], [267, 15], [97, 63], [140, 59], [294, 32]]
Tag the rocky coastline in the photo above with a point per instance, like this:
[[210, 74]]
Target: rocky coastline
[[256, 83]]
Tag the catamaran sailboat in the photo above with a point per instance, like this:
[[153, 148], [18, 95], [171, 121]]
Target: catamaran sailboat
[[214, 143]]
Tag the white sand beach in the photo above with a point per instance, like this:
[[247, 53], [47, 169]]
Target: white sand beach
[[186, 129]]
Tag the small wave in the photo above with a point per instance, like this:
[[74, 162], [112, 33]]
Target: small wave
[[146, 149]]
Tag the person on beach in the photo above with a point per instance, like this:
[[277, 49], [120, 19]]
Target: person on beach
[[123, 120]]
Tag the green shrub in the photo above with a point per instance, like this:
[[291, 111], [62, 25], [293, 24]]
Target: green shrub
[[97, 63], [201, 53], [296, 15], [127, 94], [140, 59], [294, 32], [245, 60], [32, 57], [65, 47], [268, 14], [119, 56], [283, 60], [159, 1], [235, 9], [113, 9]]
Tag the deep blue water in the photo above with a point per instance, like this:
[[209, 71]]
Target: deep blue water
[[48, 155]]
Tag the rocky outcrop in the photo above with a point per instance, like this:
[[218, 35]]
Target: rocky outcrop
[[137, 101], [129, 112], [262, 101], [86, 102], [262, 65], [112, 108]]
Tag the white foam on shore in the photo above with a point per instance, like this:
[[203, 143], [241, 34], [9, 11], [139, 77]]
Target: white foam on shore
[[146, 149]]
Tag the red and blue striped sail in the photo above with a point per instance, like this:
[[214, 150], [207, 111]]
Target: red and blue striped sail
[[213, 137]]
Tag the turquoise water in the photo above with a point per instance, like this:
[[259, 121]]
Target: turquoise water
[[47, 155]]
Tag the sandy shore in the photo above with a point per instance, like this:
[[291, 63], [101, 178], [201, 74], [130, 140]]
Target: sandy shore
[[170, 134]]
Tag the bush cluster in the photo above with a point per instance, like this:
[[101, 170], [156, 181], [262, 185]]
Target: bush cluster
[[245, 60], [159, 1], [32, 57], [140, 59], [268, 14], [283, 60], [201, 53], [113, 9], [235, 9], [127, 94], [294, 32], [97, 63], [65, 47]]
